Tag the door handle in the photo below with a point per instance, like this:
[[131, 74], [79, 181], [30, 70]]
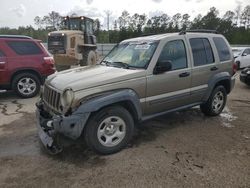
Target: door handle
[[184, 74], [2, 62], [214, 68]]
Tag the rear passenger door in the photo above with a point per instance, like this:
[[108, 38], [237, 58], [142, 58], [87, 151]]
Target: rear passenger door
[[204, 66], [26, 54]]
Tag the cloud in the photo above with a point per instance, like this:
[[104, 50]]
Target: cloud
[[157, 1], [199, 1], [89, 12], [89, 2], [238, 2], [20, 10]]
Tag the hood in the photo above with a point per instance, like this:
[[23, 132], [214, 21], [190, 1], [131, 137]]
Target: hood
[[91, 76]]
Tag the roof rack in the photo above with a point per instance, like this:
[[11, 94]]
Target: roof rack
[[15, 36], [198, 31], [147, 34]]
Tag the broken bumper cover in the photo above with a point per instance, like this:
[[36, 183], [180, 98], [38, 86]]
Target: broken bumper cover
[[52, 127]]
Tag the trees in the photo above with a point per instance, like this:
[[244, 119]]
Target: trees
[[234, 24], [52, 21], [245, 17]]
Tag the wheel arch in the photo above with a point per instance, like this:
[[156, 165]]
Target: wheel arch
[[31, 71], [126, 98], [223, 79]]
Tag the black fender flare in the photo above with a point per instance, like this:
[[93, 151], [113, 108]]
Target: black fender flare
[[73, 125], [214, 80], [108, 98]]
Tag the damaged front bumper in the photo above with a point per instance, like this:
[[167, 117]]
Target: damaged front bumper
[[51, 128]]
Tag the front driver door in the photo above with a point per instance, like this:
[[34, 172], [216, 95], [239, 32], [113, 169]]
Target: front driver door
[[171, 89]]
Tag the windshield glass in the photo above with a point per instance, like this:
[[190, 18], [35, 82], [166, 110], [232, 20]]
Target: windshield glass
[[73, 24], [133, 54]]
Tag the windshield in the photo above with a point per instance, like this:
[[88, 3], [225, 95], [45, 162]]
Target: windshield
[[133, 54], [74, 24]]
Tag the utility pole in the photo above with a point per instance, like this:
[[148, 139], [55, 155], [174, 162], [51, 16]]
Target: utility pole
[[108, 13]]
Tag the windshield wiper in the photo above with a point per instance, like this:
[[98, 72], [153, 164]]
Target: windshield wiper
[[119, 63], [104, 61], [116, 64]]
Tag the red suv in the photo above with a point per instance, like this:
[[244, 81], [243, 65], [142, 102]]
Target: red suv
[[24, 64]]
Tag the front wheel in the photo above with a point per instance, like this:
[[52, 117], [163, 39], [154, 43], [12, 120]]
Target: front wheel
[[216, 102], [109, 130]]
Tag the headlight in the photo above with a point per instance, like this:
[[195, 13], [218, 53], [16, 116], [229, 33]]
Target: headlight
[[67, 99], [248, 72]]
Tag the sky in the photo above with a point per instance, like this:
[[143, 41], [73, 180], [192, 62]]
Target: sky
[[16, 13]]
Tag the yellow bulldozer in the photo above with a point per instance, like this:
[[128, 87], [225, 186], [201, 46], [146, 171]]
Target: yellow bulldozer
[[75, 45]]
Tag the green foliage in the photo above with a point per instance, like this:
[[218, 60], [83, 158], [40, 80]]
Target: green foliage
[[40, 34], [235, 26]]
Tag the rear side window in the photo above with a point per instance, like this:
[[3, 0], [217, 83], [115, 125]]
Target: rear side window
[[222, 48], [202, 51], [2, 54], [24, 47]]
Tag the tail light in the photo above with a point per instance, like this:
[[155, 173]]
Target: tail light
[[49, 62], [235, 68]]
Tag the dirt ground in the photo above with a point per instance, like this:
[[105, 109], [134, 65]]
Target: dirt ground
[[182, 149]]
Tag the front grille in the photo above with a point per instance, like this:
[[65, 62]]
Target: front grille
[[56, 44], [51, 98]]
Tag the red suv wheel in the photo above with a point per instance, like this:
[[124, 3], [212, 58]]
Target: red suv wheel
[[26, 85]]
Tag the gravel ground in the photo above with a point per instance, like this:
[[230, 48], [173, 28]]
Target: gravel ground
[[182, 149]]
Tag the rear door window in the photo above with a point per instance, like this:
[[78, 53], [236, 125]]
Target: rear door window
[[24, 47], [202, 51], [222, 48]]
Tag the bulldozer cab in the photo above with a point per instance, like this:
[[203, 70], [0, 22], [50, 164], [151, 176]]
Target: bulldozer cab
[[82, 23]]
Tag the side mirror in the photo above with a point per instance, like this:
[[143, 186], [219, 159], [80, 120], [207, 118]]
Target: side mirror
[[162, 66], [244, 54]]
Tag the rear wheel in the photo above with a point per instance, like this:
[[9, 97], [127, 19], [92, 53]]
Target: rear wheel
[[26, 85], [216, 102], [109, 130]]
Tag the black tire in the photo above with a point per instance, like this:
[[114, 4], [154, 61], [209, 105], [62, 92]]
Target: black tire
[[33, 79], [208, 107], [91, 130], [88, 58]]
